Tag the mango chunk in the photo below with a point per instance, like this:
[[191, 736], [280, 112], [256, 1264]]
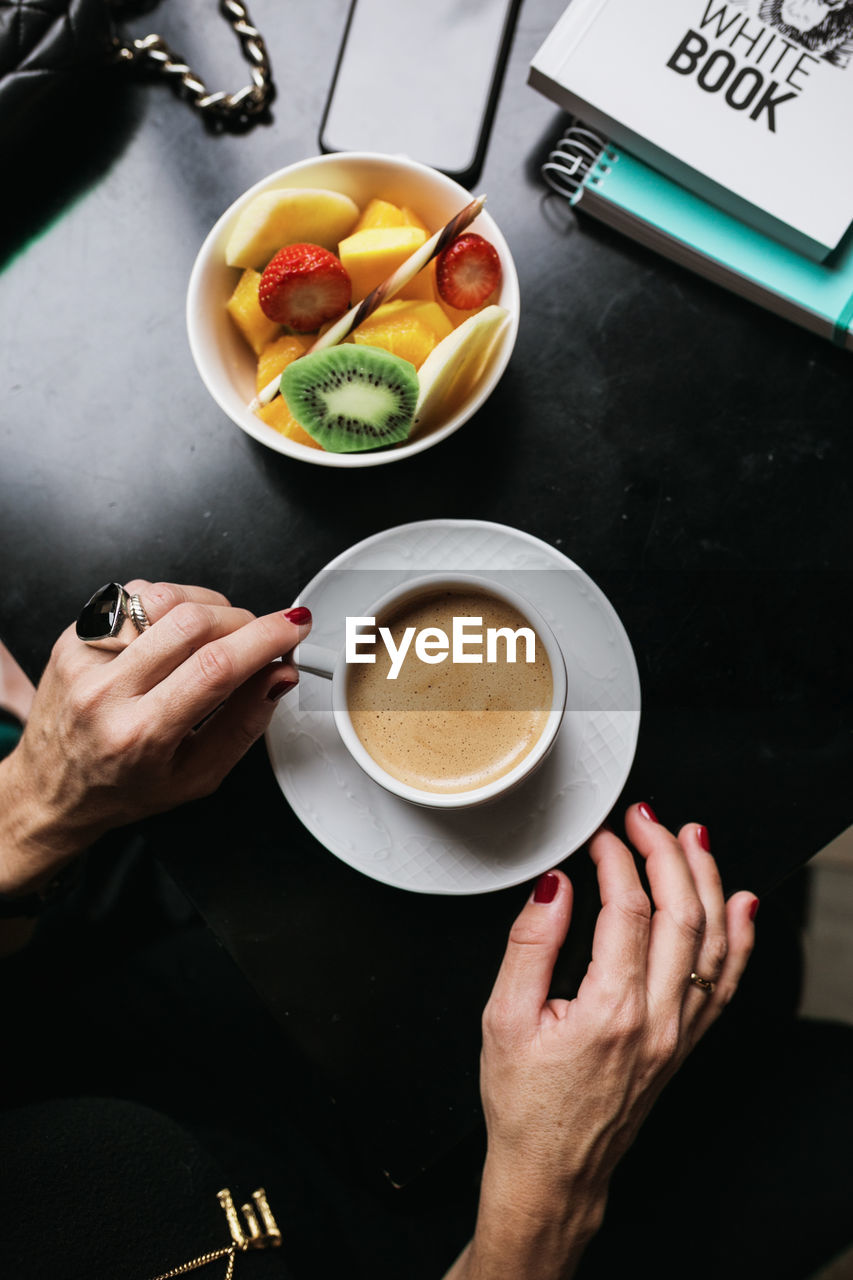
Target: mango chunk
[[379, 213], [245, 311], [277, 415], [277, 355], [411, 219], [370, 256], [424, 284], [382, 213], [289, 216]]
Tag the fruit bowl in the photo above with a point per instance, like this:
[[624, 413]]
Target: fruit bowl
[[226, 363]]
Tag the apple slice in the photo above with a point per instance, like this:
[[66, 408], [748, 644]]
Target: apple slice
[[452, 367], [290, 216]]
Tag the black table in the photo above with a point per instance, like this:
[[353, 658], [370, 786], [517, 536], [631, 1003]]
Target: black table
[[689, 451]]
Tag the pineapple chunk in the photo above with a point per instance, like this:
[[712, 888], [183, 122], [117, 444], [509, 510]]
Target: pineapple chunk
[[370, 256], [245, 311]]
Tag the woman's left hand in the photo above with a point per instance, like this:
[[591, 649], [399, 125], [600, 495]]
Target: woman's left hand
[[566, 1084]]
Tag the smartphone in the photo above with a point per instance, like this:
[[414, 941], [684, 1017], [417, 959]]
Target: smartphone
[[420, 78]]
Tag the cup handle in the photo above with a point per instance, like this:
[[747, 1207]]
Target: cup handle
[[314, 659]]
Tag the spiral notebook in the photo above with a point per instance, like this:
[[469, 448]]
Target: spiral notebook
[[747, 104], [614, 187]]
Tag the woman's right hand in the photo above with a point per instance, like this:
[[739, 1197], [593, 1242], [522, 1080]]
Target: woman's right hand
[[114, 737], [566, 1084]]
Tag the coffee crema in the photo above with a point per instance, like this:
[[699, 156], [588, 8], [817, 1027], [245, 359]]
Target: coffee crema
[[451, 726]]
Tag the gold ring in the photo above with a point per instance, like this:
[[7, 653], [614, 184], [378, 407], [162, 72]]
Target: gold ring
[[704, 984]]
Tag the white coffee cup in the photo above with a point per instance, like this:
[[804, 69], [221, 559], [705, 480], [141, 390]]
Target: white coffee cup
[[333, 665]]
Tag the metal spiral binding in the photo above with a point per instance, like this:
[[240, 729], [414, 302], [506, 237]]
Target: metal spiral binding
[[567, 166]]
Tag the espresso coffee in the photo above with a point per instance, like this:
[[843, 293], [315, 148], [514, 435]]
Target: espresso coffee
[[451, 726]]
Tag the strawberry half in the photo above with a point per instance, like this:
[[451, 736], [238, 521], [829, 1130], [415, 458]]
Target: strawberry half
[[468, 271], [303, 286]]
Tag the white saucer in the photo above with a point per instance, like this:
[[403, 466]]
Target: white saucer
[[525, 833]]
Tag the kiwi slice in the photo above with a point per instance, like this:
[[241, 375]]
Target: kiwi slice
[[352, 397]]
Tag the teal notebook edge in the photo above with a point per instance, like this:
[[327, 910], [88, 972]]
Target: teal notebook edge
[[825, 289]]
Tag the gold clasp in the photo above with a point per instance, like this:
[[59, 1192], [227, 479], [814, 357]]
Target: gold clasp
[[261, 1234], [258, 1237]]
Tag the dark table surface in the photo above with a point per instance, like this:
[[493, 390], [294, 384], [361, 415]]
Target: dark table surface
[[689, 451]]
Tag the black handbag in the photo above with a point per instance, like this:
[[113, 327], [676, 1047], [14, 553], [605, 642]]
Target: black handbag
[[50, 49]]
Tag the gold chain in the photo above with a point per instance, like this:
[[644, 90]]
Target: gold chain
[[245, 105], [262, 1233], [202, 1261]]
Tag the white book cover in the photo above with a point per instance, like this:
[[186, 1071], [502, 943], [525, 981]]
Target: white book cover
[[748, 104]]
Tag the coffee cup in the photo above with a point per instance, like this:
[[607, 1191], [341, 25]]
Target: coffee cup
[[449, 690]]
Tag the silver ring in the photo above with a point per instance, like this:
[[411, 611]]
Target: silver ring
[[112, 618], [137, 613], [704, 984]]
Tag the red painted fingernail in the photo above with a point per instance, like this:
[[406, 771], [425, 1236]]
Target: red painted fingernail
[[280, 689], [298, 616], [702, 837], [647, 812], [546, 887], [753, 910]]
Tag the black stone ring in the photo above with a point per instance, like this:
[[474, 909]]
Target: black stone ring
[[112, 618]]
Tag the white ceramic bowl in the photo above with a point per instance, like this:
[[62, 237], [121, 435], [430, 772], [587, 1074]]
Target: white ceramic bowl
[[224, 360]]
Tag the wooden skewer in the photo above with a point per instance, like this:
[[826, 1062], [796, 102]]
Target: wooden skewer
[[383, 292]]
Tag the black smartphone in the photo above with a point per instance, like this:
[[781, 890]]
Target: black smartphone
[[420, 78]]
